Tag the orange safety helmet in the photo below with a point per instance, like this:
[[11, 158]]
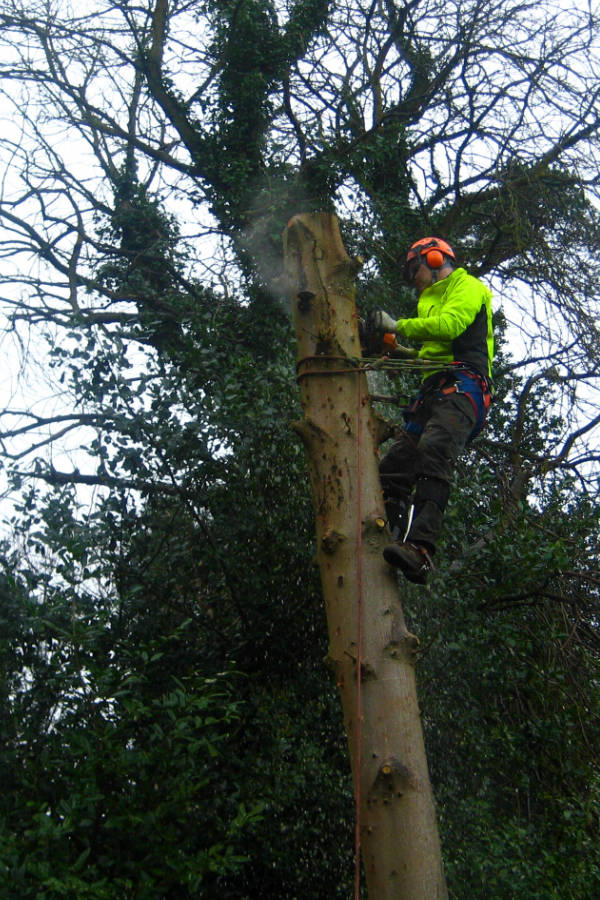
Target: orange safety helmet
[[428, 250]]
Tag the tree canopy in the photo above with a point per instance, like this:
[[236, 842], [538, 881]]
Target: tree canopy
[[162, 633]]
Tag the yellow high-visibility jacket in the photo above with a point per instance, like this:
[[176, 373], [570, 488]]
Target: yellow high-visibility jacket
[[454, 323]]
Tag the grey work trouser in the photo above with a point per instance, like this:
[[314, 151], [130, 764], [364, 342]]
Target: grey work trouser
[[423, 459]]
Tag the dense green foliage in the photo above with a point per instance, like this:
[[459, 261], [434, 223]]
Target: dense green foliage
[[169, 727]]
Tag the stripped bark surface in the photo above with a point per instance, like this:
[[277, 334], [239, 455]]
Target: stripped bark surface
[[367, 630]]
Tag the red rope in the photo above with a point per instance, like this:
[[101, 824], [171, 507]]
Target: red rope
[[358, 647]]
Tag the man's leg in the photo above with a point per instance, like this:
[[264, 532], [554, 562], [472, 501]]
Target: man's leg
[[397, 473], [443, 440], [445, 434]]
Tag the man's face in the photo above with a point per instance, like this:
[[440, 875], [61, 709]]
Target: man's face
[[419, 274]]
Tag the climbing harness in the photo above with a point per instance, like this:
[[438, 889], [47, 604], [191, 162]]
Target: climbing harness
[[456, 378]]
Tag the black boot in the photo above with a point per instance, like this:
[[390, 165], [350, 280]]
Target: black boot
[[413, 553], [414, 560]]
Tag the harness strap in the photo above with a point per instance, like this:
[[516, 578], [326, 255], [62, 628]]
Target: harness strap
[[456, 390], [484, 382], [446, 383]]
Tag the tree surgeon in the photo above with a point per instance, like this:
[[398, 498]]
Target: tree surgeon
[[454, 326]]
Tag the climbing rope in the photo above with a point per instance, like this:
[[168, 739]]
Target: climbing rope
[[357, 792], [362, 364]]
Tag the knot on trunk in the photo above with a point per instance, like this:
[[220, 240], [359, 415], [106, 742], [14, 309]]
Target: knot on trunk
[[392, 781], [331, 540]]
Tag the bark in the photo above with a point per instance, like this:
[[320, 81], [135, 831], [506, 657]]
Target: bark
[[367, 631]]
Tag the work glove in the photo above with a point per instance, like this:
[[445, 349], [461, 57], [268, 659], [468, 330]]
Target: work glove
[[380, 321]]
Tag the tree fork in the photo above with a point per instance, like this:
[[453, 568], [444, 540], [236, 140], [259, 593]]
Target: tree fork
[[367, 631]]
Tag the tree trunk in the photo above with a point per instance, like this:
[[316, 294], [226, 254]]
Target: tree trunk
[[396, 822]]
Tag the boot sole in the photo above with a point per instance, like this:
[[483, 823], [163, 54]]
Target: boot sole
[[394, 557]]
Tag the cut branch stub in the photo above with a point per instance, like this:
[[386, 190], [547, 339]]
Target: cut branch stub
[[320, 269]]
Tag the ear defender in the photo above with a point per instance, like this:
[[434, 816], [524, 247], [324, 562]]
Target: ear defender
[[434, 259], [431, 251]]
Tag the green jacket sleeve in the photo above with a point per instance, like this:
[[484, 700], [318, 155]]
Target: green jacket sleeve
[[455, 314]]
